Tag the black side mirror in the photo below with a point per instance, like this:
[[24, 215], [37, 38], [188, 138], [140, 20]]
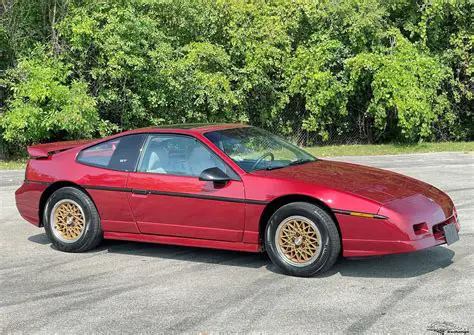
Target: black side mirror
[[215, 175]]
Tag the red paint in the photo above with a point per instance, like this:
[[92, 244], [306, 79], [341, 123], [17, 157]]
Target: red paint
[[368, 182], [27, 201], [235, 225], [187, 217]]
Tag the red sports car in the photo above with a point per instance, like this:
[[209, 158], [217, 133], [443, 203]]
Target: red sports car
[[230, 187]]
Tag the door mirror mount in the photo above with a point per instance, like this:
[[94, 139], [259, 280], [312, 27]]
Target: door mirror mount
[[215, 175]]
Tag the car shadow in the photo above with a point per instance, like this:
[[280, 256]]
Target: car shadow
[[390, 266], [200, 255], [394, 266], [39, 239]]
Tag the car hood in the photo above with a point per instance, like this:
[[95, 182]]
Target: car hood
[[375, 184]]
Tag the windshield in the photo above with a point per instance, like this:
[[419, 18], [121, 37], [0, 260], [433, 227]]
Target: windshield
[[256, 149]]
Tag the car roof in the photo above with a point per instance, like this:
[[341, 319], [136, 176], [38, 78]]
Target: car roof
[[186, 128]]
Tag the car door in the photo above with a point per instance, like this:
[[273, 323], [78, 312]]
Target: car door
[[168, 198]]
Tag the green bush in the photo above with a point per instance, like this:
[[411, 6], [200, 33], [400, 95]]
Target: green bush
[[378, 70], [46, 104]]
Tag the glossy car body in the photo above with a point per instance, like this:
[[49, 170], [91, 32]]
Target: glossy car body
[[377, 212]]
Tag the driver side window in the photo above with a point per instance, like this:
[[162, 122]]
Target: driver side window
[[179, 155]]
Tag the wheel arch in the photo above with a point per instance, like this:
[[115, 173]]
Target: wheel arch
[[53, 188], [279, 202]]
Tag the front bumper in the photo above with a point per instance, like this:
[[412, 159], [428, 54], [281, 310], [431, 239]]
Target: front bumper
[[358, 248], [372, 237]]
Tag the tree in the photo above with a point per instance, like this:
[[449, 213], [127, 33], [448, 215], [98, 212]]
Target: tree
[[47, 105], [359, 70]]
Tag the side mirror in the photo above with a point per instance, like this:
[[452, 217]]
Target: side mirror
[[215, 175]]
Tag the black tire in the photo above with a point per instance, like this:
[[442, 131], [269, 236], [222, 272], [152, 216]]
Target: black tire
[[91, 235], [330, 246]]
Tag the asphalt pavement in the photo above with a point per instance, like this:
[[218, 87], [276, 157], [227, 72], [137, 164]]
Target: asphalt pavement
[[125, 287]]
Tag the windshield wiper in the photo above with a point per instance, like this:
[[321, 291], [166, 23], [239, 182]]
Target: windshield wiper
[[296, 162], [301, 161], [268, 168]]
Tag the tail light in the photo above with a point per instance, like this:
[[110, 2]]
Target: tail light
[[456, 218], [26, 169]]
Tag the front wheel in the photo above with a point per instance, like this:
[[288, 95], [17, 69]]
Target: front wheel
[[71, 220], [302, 239]]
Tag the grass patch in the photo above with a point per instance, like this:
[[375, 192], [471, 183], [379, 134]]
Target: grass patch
[[389, 149], [12, 165]]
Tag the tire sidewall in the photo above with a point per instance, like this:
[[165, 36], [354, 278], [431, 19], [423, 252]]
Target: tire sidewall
[[68, 193], [312, 214]]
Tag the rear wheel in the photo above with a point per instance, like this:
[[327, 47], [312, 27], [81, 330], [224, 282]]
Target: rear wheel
[[71, 221], [302, 239]]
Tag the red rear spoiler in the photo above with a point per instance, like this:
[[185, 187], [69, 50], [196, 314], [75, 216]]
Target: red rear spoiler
[[48, 149]]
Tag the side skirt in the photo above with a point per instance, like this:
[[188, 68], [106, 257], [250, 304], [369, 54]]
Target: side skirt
[[188, 242]]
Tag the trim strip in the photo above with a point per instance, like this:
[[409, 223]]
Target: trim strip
[[205, 197], [106, 188], [360, 214], [176, 194], [46, 183], [196, 196], [170, 194]]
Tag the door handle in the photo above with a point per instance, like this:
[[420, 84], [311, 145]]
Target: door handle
[[141, 192]]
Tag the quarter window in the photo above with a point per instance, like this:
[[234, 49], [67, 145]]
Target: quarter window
[[179, 155], [117, 154]]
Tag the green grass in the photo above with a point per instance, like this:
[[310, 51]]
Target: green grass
[[343, 150], [389, 149], [12, 165]]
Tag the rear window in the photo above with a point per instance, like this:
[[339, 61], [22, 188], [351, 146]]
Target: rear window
[[117, 154]]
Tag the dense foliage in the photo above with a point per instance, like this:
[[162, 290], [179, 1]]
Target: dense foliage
[[389, 70]]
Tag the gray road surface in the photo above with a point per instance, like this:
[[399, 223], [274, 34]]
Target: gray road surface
[[133, 287]]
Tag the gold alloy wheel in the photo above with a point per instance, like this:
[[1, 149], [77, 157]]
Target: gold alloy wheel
[[68, 220], [298, 240]]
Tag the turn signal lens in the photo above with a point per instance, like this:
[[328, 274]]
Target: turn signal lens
[[360, 214], [365, 215]]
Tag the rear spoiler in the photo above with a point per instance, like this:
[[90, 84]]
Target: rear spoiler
[[47, 149]]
